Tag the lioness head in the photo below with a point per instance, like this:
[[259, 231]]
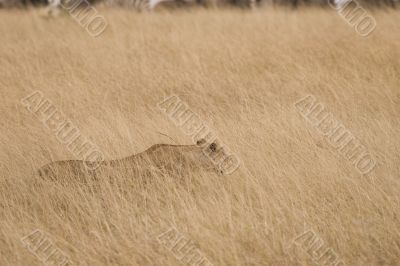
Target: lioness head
[[212, 155]]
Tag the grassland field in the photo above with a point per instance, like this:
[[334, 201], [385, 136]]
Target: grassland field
[[241, 72]]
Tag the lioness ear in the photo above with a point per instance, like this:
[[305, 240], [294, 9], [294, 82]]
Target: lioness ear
[[200, 142]]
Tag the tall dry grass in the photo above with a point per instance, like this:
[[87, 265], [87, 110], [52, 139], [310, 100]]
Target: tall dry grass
[[241, 72]]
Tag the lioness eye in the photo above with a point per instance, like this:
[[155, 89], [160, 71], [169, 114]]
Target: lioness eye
[[213, 147]]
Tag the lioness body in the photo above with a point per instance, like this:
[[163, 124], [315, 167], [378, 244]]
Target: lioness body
[[162, 158]]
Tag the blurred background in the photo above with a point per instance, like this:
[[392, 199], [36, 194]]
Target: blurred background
[[207, 3]]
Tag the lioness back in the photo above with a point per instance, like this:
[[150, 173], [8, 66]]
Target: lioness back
[[164, 158]]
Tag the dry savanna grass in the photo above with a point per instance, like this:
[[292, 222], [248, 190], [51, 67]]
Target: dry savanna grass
[[241, 72]]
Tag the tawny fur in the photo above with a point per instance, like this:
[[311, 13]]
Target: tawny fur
[[161, 158]]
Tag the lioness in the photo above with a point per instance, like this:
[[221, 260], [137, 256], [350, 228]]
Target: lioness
[[163, 158]]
